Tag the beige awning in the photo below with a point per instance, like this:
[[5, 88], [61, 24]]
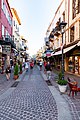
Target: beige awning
[[64, 51]]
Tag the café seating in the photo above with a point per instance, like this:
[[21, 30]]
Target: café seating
[[73, 86]]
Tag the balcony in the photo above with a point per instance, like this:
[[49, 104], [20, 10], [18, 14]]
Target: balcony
[[56, 31], [51, 37], [7, 40]]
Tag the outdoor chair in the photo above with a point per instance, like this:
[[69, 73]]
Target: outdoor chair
[[73, 86]]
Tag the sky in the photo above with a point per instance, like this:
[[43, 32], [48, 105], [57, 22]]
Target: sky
[[35, 16]]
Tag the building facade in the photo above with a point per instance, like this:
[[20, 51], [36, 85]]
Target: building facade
[[69, 12], [24, 49], [16, 34], [6, 41]]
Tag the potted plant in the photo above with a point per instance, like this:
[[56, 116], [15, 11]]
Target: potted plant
[[62, 83], [16, 71], [20, 68]]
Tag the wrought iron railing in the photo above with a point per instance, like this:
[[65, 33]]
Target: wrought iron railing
[[7, 38]]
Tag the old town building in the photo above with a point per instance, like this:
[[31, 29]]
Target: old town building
[[16, 33], [69, 12], [6, 40]]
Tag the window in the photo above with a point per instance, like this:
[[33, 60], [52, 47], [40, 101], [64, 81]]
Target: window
[[14, 22], [4, 8], [72, 34], [18, 29], [2, 30], [78, 6], [70, 64], [16, 26], [73, 9], [63, 16], [2, 3], [57, 42]]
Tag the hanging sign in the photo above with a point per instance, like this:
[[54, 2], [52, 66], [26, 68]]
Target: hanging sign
[[48, 53], [6, 49]]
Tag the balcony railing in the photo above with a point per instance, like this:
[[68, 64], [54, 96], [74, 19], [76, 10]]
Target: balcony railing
[[56, 31], [9, 39]]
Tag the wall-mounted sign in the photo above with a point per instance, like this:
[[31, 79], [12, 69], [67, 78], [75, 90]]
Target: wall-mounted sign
[[6, 49]]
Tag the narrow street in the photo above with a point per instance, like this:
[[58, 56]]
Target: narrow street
[[40, 60], [31, 99]]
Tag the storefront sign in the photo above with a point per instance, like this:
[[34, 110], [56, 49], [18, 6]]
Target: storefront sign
[[48, 53], [6, 49]]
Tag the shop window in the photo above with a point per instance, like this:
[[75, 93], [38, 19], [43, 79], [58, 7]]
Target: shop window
[[76, 64], [70, 64]]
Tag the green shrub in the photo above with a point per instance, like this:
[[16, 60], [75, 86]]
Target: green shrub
[[16, 69], [60, 76], [60, 81]]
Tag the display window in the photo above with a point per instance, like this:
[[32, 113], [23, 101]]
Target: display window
[[70, 64]]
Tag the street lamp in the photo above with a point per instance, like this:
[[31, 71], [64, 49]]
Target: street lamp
[[62, 25]]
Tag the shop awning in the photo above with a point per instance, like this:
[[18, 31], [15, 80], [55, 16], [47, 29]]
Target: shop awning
[[64, 51]]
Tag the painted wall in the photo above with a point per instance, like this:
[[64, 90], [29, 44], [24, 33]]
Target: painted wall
[[3, 18]]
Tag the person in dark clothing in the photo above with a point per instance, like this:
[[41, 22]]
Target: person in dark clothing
[[48, 69], [8, 72], [31, 65], [11, 62]]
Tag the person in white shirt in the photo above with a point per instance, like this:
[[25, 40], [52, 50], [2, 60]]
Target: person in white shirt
[[26, 66], [40, 64]]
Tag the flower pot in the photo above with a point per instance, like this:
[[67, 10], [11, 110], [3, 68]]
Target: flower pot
[[62, 88], [16, 77]]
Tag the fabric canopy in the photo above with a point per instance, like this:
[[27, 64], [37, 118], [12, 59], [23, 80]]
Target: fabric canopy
[[64, 51]]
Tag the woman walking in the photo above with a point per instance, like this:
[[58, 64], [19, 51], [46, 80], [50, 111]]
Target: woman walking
[[8, 72]]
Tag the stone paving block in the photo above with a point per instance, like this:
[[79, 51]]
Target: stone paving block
[[31, 100]]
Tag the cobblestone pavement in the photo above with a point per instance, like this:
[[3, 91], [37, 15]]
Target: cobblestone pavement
[[4, 84], [30, 100]]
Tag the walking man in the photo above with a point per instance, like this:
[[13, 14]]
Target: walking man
[[48, 69]]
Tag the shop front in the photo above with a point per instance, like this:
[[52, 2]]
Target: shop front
[[71, 59], [74, 62]]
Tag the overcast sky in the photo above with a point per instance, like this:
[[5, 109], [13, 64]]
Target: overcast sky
[[35, 16]]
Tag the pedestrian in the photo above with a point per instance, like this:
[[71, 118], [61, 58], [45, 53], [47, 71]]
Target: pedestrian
[[40, 64], [31, 65], [8, 72], [45, 63], [48, 69], [11, 62], [26, 66]]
